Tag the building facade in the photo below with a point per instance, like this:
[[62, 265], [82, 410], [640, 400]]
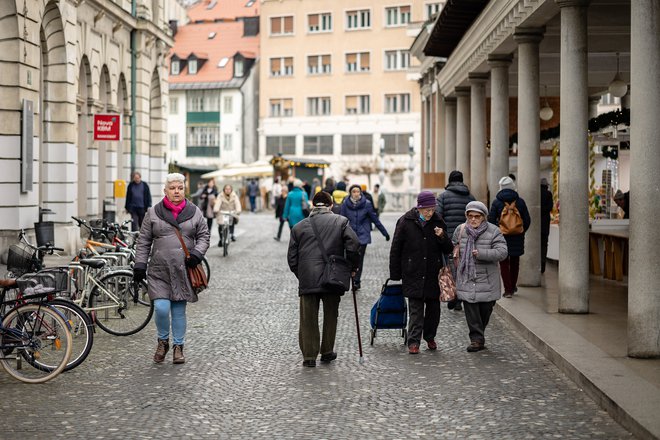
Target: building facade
[[69, 60], [336, 85], [213, 85]]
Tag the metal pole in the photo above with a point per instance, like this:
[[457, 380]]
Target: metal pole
[[357, 322]]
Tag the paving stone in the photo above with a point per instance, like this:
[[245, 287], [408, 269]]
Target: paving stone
[[243, 378]]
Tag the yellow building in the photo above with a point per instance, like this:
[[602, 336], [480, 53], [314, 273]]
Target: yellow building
[[336, 84]]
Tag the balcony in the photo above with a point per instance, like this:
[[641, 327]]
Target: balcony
[[203, 151], [203, 118]]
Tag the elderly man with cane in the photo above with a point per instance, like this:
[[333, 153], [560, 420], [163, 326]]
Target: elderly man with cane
[[323, 254]]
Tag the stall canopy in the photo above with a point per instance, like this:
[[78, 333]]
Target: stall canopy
[[260, 168]]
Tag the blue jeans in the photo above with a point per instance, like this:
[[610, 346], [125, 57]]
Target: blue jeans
[[253, 203], [162, 308]]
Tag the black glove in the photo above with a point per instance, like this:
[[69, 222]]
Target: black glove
[[193, 261], [387, 237], [139, 275]]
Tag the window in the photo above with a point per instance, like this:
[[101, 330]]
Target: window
[[227, 142], [356, 144], [396, 143], [281, 107], [399, 103], [174, 141], [228, 105], [203, 136], [318, 106], [174, 106], [281, 66], [212, 35], [176, 65], [430, 9], [397, 16], [200, 101], [238, 68], [358, 62], [192, 66], [317, 145], [318, 64], [357, 104], [319, 23], [397, 59], [281, 25], [280, 144], [360, 19], [223, 62], [250, 26]]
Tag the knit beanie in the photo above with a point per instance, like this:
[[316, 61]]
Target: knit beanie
[[322, 198], [478, 207], [341, 186], [455, 176], [426, 199], [506, 182]]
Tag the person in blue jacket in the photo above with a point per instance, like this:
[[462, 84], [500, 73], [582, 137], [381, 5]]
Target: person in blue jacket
[[360, 213], [295, 202]]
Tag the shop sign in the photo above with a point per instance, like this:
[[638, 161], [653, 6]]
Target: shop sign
[[107, 127]]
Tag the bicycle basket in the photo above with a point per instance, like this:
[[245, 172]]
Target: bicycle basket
[[19, 259], [52, 280]]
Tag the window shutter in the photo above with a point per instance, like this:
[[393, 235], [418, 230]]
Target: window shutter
[[275, 64], [313, 20], [288, 25], [364, 60], [276, 25]]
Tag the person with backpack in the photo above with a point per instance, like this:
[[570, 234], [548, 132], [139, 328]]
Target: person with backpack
[[450, 206], [338, 196], [509, 212]]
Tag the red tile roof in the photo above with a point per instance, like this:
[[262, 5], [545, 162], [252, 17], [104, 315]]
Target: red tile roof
[[223, 10], [193, 38]]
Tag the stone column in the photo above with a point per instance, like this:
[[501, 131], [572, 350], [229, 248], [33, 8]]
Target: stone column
[[644, 276], [477, 181], [499, 121], [529, 153], [439, 132], [450, 136], [463, 132], [574, 161]]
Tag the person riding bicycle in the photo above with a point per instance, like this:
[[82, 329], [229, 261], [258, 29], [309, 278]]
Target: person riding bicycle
[[227, 201]]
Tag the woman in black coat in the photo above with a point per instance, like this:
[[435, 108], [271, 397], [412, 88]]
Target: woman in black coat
[[416, 257]]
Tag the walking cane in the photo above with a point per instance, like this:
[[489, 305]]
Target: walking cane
[[357, 321]]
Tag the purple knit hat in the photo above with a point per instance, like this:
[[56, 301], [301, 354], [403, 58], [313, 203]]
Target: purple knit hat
[[425, 199]]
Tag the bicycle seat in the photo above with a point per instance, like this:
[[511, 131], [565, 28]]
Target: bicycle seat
[[93, 263]]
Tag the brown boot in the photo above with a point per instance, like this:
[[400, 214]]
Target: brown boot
[[177, 355], [161, 350]]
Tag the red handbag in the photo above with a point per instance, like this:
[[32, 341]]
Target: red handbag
[[196, 275]]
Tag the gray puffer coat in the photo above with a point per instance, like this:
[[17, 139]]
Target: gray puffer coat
[[159, 245], [304, 256], [492, 249]]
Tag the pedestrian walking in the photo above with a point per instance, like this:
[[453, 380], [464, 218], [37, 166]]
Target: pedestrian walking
[[306, 261], [546, 209], [450, 205], [227, 201], [253, 193], [482, 246], [275, 192], [329, 185], [159, 248], [510, 213], [416, 257], [379, 199], [207, 202], [360, 213], [338, 196], [195, 196], [296, 201], [279, 211], [138, 200]]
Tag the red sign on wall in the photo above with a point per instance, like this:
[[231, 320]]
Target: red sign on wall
[[107, 127]]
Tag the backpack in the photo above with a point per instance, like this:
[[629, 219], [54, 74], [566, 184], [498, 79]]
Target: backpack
[[510, 220]]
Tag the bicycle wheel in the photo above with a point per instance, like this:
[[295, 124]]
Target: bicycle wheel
[[82, 331], [225, 240], [117, 308], [40, 343], [207, 268]]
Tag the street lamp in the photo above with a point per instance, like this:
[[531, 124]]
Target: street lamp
[[381, 173], [411, 164]]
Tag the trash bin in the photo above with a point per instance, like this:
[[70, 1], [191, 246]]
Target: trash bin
[[44, 231], [109, 210]]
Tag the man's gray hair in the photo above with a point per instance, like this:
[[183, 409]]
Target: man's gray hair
[[174, 177]]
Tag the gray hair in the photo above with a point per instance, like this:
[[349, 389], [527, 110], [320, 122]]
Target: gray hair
[[174, 177]]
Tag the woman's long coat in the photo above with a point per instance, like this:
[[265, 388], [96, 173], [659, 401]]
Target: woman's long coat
[[159, 250], [293, 207], [486, 284], [361, 215], [416, 255]]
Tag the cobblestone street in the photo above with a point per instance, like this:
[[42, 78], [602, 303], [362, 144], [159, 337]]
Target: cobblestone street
[[243, 377]]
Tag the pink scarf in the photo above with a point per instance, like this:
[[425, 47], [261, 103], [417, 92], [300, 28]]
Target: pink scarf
[[176, 209]]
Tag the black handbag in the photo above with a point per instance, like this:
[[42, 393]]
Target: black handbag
[[337, 271]]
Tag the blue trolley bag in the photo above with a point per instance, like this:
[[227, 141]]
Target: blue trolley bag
[[390, 310]]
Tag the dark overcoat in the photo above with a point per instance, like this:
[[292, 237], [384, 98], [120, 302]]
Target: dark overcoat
[[515, 243], [304, 255], [160, 248], [416, 255]]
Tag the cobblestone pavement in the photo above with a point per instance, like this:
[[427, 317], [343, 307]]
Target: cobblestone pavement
[[244, 378]]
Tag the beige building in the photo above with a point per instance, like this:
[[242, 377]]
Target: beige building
[[336, 84], [68, 60]]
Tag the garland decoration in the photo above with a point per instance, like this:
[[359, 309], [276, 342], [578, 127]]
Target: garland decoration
[[594, 200], [555, 183]]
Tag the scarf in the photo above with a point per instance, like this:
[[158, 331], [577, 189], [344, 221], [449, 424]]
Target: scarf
[[176, 209], [467, 266]]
